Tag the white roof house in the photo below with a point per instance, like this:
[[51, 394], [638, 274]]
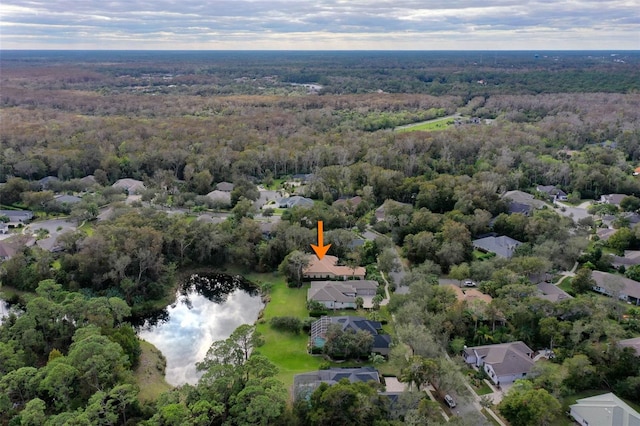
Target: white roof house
[[604, 410]]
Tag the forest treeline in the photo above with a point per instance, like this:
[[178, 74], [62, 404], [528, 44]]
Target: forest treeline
[[182, 126]]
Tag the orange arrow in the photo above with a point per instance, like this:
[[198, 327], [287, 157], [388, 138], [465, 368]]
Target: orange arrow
[[320, 249]]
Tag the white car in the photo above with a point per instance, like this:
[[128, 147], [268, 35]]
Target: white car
[[469, 283], [450, 401]]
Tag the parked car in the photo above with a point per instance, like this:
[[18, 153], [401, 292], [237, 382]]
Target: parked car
[[469, 283], [450, 401]]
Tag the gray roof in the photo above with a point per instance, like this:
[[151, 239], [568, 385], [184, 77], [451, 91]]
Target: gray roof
[[306, 383], [295, 201], [614, 199], [17, 215], [225, 186], [551, 190], [502, 246], [6, 251], [605, 410], [523, 198], [132, 186], [505, 358], [616, 283], [221, 196], [339, 291], [552, 292], [67, 199], [631, 257], [631, 343]]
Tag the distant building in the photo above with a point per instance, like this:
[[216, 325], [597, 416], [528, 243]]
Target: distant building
[[552, 293], [131, 186], [556, 194], [502, 246], [67, 199], [633, 343], [295, 201], [225, 186], [614, 199], [17, 217]]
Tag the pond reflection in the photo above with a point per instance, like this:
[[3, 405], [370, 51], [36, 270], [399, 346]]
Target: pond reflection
[[208, 308]]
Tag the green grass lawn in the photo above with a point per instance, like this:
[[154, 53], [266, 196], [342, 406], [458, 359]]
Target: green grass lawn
[[286, 350], [87, 227], [149, 375], [565, 284], [429, 126]]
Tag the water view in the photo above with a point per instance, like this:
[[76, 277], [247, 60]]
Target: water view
[[207, 309]]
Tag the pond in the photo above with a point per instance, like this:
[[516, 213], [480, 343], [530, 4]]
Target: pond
[[207, 308]]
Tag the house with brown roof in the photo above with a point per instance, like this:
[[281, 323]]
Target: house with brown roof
[[504, 363], [327, 268], [469, 295], [7, 251]]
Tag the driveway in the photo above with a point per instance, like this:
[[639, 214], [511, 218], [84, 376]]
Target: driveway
[[574, 212]]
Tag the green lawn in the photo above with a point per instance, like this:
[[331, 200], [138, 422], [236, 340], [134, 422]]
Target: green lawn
[[565, 284], [286, 350], [429, 126], [149, 375]]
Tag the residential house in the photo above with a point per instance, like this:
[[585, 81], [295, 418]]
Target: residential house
[[614, 199], [7, 251], [342, 295], [220, 197], [304, 384], [302, 177], [469, 295], [225, 186], [47, 181], [131, 186], [504, 363], [502, 246], [604, 410], [295, 201], [630, 258], [66, 199], [605, 233], [349, 203], [328, 268], [520, 198], [4, 228], [633, 343], [381, 342], [88, 181], [49, 244], [17, 217], [616, 285], [556, 194], [551, 292], [521, 208], [382, 211]]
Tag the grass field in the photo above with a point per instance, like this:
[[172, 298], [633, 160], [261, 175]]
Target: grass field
[[149, 375], [428, 126], [286, 350]]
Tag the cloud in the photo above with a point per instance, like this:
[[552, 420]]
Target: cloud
[[321, 24]]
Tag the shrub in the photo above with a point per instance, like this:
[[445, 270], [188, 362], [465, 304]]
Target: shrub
[[291, 324]]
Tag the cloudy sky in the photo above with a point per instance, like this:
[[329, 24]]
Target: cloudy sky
[[320, 24]]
